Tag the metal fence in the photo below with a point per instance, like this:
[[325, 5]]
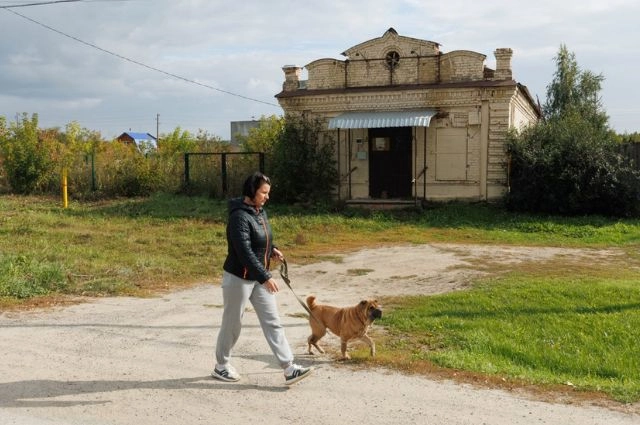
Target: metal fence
[[108, 174], [219, 175]]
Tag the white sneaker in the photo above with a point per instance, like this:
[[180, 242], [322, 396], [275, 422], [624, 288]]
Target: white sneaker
[[295, 373], [226, 373]]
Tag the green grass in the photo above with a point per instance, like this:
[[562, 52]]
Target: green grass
[[459, 222], [582, 332], [129, 247], [22, 277], [546, 323]]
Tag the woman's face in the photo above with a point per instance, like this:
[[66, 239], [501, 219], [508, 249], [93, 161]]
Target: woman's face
[[262, 195]]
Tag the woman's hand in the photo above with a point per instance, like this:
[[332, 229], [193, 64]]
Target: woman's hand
[[276, 253], [271, 285]]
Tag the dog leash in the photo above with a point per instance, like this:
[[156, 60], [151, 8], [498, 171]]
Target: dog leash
[[284, 273]]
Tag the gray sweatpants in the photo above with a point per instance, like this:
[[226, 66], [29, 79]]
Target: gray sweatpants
[[235, 294]]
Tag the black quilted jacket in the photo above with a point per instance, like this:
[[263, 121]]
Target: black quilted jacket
[[249, 242]]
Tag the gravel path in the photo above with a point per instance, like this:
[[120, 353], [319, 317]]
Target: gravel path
[[135, 361]]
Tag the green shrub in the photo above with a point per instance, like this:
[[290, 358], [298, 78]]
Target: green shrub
[[27, 158], [562, 166], [125, 171], [303, 164]]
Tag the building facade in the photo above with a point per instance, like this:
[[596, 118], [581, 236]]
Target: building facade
[[411, 122]]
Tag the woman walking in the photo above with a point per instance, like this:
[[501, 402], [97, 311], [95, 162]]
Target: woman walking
[[246, 277]]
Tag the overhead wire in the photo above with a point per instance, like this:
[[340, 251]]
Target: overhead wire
[[11, 6], [43, 3], [86, 43]]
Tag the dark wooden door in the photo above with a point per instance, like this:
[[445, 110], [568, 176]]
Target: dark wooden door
[[390, 163]]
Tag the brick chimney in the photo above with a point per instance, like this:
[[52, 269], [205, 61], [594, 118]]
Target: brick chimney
[[503, 64], [291, 77]]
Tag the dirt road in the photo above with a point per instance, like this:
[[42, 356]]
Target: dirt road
[[131, 361]]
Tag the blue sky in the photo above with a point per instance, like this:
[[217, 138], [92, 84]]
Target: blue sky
[[241, 47]]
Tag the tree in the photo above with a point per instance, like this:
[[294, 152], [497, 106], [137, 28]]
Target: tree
[[206, 142], [629, 137], [573, 91], [178, 141], [303, 162], [569, 162], [26, 159], [263, 138]]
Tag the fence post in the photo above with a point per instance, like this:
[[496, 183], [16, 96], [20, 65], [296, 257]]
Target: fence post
[[225, 183], [186, 169], [93, 171]]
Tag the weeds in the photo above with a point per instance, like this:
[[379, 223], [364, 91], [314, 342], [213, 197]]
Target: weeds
[[25, 277]]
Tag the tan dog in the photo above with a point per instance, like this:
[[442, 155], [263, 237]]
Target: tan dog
[[346, 323]]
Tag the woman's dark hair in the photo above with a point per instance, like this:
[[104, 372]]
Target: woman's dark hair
[[253, 183]]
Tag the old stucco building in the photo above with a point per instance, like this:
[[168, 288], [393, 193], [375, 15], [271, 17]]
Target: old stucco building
[[413, 123]]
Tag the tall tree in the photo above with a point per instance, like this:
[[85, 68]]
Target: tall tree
[[574, 91], [569, 163]]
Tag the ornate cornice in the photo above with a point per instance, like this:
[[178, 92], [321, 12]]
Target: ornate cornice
[[396, 100]]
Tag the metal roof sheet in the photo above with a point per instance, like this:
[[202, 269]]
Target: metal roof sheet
[[140, 136], [380, 119]]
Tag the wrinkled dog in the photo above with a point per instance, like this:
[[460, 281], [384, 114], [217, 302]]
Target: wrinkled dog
[[347, 323]]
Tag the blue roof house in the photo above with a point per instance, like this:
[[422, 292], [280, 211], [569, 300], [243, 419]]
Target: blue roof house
[[143, 141]]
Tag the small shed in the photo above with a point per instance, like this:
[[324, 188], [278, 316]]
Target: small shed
[[143, 141]]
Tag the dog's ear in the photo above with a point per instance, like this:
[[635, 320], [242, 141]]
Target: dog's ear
[[363, 302]]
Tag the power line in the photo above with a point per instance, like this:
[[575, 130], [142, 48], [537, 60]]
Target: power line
[[39, 3], [128, 59]]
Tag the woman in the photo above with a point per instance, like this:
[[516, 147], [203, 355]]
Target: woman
[[246, 277]]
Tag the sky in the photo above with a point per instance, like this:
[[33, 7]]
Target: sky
[[155, 65]]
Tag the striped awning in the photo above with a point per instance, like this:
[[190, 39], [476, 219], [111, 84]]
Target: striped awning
[[380, 119]]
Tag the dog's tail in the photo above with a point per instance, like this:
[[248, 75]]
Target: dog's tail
[[311, 301]]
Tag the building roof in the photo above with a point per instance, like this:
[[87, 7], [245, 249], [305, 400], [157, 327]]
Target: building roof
[[138, 136]]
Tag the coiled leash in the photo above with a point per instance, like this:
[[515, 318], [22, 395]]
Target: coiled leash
[[284, 273]]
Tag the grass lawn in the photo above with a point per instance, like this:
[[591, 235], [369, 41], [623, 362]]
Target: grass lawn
[[549, 325], [582, 332]]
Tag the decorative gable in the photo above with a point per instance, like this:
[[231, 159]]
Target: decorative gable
[[395, 60], [379, 48]]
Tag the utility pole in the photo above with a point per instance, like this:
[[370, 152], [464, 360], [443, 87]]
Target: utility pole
[[157, 128]]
